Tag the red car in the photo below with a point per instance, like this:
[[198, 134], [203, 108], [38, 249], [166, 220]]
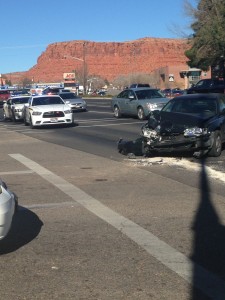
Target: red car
[[4, 95]]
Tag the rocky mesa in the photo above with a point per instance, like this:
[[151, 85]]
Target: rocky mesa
[[107, 59]]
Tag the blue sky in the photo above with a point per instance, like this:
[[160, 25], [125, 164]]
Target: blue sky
[[29, 26]]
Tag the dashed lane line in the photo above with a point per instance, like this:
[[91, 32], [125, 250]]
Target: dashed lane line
[[212, 285]]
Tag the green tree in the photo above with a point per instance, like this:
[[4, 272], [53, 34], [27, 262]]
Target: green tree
[[208, 40]]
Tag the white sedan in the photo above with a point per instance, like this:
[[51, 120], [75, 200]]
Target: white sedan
[[13, 107], [47, 110], [8, 206]]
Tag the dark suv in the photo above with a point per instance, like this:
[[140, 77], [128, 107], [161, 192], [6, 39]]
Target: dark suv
[[208, 86], [4, 95]]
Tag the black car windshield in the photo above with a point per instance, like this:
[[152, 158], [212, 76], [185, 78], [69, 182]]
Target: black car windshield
[[47, 101], [148, 94], [68, 96], [20, 100], [192, 106]]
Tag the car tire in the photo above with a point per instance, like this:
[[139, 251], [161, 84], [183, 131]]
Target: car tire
[[25, 121], [4, 116], [141, 114], [216, 149], [117, 112], [13, 117], [31, 123]]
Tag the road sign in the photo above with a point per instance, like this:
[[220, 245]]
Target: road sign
[[171, 77]]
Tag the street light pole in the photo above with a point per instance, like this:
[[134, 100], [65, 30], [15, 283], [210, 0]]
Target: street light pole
[[84, 69], [84, 65]]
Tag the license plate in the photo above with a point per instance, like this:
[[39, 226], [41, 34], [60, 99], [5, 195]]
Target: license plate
[[54, 119]]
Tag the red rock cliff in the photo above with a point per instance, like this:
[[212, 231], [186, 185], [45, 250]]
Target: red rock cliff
[[107, 59]]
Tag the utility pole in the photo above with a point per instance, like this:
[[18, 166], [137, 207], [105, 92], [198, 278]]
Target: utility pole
[[84, 68]]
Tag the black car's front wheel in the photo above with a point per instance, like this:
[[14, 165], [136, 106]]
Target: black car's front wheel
[[216, 149]]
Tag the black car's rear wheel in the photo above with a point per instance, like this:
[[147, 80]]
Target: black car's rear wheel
[[217, 145]]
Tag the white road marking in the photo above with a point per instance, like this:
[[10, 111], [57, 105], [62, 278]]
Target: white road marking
[[48, 205], [212, 285], [17, 172]]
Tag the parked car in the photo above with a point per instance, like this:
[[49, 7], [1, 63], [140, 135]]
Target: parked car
[[170, 93], [23, 92], [13, 108], [101, 93], [177, 92], [52, 90], [47, 110], [4, 95], [192, 122], [137, 85], [167, 93], [8, 207], [137, 102], [76, 103], [207, 86]]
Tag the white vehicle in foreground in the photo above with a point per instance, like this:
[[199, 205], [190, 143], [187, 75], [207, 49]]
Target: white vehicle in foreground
[[8, 206], [13, 107], [47, 110]]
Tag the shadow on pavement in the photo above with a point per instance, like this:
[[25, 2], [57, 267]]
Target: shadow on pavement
[[25, 227], [208, 246]]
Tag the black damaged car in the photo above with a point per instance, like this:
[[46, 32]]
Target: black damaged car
[[192, 122]]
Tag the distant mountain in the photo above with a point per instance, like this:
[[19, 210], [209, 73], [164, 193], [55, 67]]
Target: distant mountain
[[106, 59]]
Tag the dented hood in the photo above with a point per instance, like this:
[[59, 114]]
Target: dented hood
[[175, 123]]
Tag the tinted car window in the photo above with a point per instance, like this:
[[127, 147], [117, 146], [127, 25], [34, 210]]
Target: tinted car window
[[192, 106], [4, 92], [123, 94], [148, 94], [68, 95], [52, 91], [136, 85], [47, 101], [20, 100]]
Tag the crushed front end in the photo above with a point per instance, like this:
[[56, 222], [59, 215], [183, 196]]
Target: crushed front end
[[169, 136]]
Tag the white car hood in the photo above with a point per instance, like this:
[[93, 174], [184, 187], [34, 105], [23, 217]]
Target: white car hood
[[51, 107], [21, 105]]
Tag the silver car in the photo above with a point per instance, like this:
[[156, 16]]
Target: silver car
[[75, 103], [138, 102], [13, 108], [8, 207]]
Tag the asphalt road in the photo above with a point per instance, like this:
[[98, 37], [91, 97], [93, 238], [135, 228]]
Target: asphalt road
[[93, 224]]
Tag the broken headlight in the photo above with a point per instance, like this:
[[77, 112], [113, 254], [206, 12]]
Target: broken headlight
[[195, 131]]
